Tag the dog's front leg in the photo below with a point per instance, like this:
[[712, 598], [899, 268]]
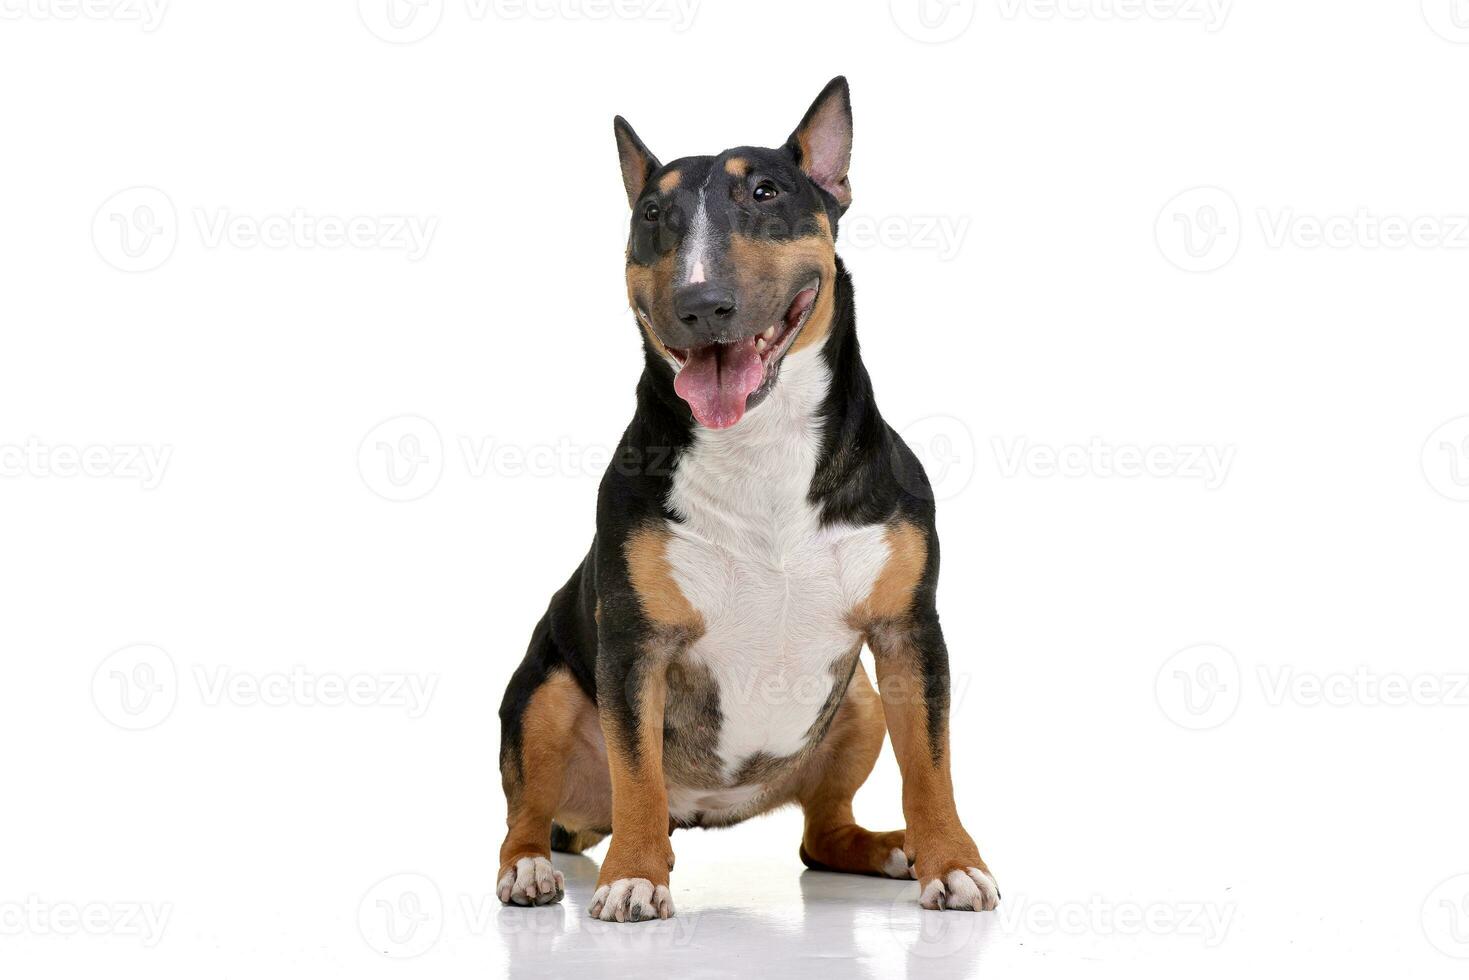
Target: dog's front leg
[[913, 678], [631, 689]]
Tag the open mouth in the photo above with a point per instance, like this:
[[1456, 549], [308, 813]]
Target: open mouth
[[718, 380]]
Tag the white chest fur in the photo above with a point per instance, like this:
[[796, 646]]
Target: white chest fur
[[774, 587]]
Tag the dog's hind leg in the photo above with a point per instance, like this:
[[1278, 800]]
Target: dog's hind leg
[[832, 840], [565, 841]]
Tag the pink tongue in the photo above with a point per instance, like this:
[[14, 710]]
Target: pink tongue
[[717, 379]]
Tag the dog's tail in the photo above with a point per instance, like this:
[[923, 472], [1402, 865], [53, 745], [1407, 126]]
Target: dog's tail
[[573, 842]]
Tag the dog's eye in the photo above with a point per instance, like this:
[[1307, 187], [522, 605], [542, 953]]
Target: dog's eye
[[766, 191], [650, 211]]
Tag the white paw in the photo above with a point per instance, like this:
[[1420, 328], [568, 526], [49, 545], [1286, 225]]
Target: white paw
[[897, 866], [631, 900], [532, 881], [961, 890]]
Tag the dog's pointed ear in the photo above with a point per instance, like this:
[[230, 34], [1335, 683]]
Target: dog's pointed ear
[[638, 163], [822, 144]]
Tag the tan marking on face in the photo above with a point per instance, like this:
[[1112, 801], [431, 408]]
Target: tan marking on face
[[737, 166], [662, 601], [650, 287], [763, 264], [891, 598], [669, 181]]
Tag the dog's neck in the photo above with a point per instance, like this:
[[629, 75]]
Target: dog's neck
[[749, 486]]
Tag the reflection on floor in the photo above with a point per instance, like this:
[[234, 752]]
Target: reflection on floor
[[765, 920]]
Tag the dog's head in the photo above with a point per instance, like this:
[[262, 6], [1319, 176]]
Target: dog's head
[[731, 259]]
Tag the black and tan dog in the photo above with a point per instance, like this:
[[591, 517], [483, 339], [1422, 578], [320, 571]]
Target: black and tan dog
[[759, 524]]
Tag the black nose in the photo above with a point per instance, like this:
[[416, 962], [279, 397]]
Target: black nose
[[703, 303]]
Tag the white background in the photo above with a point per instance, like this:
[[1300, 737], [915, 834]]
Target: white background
[[1031, 287]]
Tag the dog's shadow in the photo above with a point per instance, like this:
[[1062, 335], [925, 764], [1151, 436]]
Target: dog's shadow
[[835, 924]]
